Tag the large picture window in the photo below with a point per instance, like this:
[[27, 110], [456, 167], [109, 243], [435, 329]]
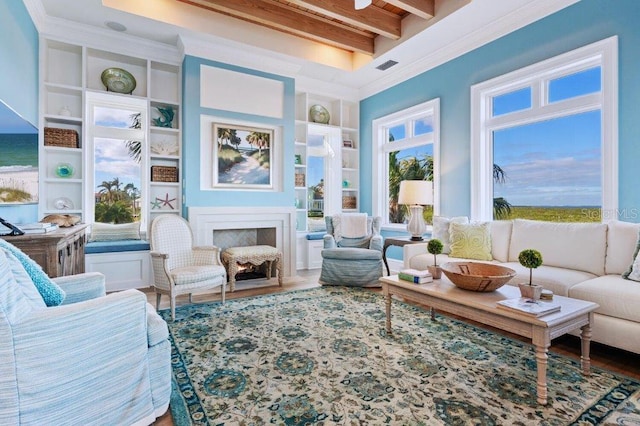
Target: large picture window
[[544, 139], [407, 149]]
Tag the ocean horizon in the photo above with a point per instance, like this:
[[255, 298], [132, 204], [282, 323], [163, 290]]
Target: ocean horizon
[[19, 150]]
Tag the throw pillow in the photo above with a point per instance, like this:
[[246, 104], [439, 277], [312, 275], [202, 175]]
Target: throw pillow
[[51, 293], [471, 241], [441, 230], [111, 232], [633, 272]]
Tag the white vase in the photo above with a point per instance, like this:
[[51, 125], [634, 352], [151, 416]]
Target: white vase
[[530, 291], [65, 111]]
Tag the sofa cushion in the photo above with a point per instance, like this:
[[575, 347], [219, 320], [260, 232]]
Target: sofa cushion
[[14, 305], [579, 246], [558, 280], [622, 239], [114, 232], [616, 296], [51, 293], [441, 230], [471, 241], [500, 237]]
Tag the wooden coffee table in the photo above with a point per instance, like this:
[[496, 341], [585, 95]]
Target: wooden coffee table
[[442, 295]]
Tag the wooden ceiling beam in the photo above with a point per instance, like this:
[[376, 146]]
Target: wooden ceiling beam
[[425, 9], [292, 20], [371, 18]]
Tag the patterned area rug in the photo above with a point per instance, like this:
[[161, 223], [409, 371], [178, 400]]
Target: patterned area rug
[[322, 356]]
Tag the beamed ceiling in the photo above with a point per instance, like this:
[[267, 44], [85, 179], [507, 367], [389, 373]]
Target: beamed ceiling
[[333, 22]]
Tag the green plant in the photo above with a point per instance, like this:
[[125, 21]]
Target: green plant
[[434, 247], [531, 259]]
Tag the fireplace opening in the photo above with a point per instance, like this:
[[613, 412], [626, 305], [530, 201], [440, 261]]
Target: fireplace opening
[[226, 238]]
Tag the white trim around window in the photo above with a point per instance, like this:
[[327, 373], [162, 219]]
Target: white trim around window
[[537, 76], [382, 147]]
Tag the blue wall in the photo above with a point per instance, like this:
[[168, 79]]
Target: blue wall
[[19, 80], [194, 197], [583, 23]]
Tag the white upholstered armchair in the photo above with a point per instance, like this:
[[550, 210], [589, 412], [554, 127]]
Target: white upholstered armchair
[[178, 266]]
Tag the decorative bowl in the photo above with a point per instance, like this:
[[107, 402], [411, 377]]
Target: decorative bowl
[[476, 276], [64, 170], [118, 80], [319, 114]]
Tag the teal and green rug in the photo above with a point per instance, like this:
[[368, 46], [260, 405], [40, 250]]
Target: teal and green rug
[[322, 356]]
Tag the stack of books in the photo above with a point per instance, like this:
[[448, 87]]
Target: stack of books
[[523, 305], [415, 276], [37, 227]]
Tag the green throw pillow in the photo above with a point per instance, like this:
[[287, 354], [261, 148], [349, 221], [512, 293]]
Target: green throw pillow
[[470, 241]]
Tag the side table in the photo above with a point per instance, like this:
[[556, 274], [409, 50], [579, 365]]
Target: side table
[[398, 242]]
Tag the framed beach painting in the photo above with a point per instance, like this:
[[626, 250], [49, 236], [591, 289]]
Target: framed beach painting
[[243, 157], [19, 159]]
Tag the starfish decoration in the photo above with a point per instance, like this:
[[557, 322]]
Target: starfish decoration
[[166, 201], [155, 204]]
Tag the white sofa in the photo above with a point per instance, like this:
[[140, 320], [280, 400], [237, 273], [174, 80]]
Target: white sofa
[[580, 260]]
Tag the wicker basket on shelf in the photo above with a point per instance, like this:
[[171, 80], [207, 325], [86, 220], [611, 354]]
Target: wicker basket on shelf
[[66, 138], [300, 179], [349, 202], [164, 174], [476, 276]]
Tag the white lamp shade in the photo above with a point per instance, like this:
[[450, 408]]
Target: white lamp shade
[[416, 192], [361, 4]]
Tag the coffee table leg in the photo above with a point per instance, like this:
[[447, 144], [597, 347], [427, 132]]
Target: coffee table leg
[[541, 362], [388, 309], [585, 340]]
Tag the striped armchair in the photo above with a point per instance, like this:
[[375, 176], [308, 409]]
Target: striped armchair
[[178, 266], [353, 262], [73, 355]]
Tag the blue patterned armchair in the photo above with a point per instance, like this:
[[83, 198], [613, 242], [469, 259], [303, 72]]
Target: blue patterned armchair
[[73, 355], [352, 261]]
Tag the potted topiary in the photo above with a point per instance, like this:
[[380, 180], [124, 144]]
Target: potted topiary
[[434, 246], [531, 259]]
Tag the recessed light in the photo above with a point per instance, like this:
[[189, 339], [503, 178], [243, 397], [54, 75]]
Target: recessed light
[[116, 26]]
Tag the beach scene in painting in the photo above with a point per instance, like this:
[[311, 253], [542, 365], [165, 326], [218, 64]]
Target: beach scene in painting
[[19, 169], [243, 155]]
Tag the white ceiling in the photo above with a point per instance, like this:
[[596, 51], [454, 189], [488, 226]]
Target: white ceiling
[[173, 24]]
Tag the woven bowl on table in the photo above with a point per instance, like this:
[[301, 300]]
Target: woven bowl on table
[[476, 276]]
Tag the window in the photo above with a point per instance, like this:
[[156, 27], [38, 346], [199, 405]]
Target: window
[[117, 172], [407, 149], [544, 139]]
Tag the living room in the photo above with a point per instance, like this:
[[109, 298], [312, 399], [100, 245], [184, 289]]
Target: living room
[[525, 37]]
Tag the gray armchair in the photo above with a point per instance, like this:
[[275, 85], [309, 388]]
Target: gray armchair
[[352, 261]]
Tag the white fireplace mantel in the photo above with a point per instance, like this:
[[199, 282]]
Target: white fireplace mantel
[[205, 220]]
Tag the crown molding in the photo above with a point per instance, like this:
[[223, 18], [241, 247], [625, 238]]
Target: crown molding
[[104, 39], [513, 21], [37, 12], [239, 55]]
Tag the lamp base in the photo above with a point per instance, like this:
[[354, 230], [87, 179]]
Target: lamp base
[[416, 226], [417, 239]]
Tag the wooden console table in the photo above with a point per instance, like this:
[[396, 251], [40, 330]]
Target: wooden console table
[[59, 252]]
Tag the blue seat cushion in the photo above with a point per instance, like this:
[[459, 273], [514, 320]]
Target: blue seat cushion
[[95, 247], [316, 235]]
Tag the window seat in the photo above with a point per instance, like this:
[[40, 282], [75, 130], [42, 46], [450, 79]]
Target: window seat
[[115, 246], [125, 263]]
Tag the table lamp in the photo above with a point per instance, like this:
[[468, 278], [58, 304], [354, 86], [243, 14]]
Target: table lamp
[[416, 194]]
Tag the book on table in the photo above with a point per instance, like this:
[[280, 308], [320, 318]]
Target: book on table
[[415, 276], [42, 230], [536, 308], [34, 225]]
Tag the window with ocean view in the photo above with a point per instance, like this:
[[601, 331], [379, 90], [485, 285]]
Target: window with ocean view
[[546, 145]]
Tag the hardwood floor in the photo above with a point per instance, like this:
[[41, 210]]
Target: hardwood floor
[[612, 359]]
